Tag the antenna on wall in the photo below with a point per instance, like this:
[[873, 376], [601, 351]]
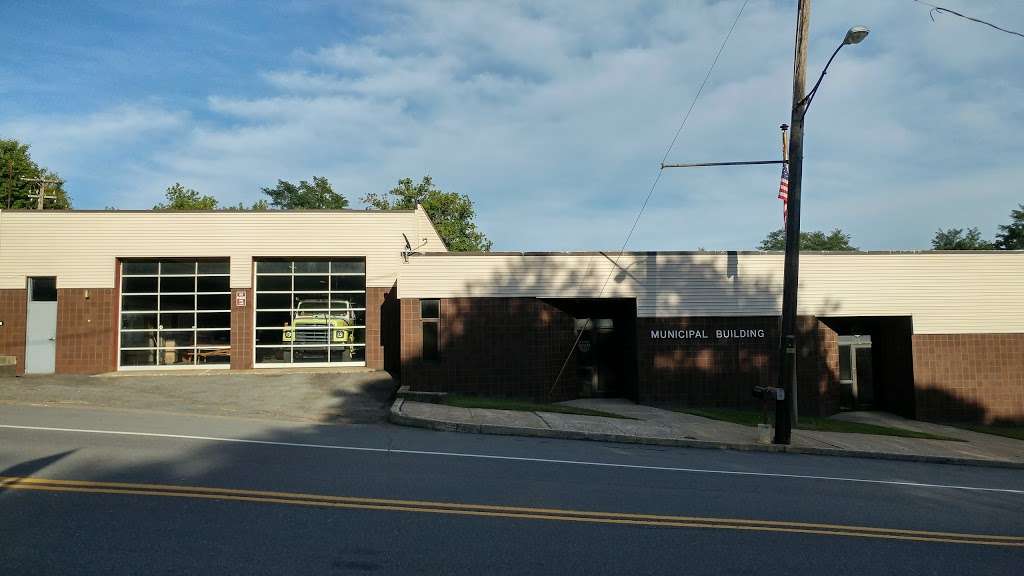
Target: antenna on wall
[[409, 250]]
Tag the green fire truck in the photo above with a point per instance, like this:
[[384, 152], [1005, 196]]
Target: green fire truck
[[321, 322]]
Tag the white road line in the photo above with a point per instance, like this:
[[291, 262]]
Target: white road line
[[518, 459]]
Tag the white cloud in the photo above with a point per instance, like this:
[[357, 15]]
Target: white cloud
[[553, 117]]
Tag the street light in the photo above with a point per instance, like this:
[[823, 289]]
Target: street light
[[785, 407], [855, 35]]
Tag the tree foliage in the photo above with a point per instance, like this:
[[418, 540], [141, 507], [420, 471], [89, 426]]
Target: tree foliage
[[1011, 236], [16, 163], [181, 198], [318, 195], [960, 239], [836, 240], [451, 212]]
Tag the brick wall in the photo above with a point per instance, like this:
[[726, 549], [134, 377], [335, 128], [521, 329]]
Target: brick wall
[[511, 347], [973, 377], [241, 330], [705, 371], [86, 331], [376, 299], [13, 313], [817, 370]]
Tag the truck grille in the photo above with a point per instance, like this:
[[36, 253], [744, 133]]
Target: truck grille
[[312, 336]]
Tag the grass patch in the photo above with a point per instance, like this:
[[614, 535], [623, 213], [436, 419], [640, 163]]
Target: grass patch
[[1009, 431], [753, 418], [523, 406]]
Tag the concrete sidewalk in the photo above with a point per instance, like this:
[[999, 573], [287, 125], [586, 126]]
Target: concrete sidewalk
[[666, 428]]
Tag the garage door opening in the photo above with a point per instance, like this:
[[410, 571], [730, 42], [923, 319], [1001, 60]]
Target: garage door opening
[[310, 312], [174, 314]]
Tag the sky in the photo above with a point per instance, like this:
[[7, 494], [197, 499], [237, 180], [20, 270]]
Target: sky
[[552, 116]]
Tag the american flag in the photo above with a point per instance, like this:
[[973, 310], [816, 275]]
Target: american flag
[[784, 191]]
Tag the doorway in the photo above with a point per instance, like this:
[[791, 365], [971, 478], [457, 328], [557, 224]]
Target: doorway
[[596, 372], [856, 382], [876, 363], [41, 326], [604, 359]]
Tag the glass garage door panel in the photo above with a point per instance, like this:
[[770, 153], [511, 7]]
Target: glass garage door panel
[[175, 313], [311, 312]]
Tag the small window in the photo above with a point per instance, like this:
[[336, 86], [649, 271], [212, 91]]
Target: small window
[[430, 341], [43, 289], [430, 309]]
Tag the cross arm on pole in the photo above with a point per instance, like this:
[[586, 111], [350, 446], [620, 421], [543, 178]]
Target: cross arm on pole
[[744, 163]]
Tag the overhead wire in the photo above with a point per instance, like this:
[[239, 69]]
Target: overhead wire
[[940, 10], [650, 193]]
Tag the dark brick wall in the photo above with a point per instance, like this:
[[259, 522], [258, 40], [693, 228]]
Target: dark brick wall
[[241, 330], [817, 368], [375, 299], [511, 347], [86, 331], [971, 377], [705, 372], [13, 313]]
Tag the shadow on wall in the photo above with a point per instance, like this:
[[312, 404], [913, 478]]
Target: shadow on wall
[[522, 345]]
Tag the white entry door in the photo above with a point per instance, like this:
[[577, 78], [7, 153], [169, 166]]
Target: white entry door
[[41, 330]]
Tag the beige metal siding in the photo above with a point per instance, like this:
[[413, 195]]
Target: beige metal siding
[[944, 292], [81, 248]]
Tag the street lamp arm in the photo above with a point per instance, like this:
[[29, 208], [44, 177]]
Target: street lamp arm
[[806, 101]]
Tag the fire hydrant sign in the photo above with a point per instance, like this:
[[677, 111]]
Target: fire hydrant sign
[[240, 298]]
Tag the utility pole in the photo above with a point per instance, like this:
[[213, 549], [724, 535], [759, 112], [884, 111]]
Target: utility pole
[[41, 196], [785, 409]]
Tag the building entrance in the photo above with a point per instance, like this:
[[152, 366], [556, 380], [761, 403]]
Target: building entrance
[[604, 360], [856, 382], [876, 368]]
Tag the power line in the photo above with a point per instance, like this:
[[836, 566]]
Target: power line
[[940, 10], [650, 193]]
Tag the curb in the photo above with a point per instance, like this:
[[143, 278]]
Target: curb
[[396, 416]]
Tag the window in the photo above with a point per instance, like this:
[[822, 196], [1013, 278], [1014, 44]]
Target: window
[[430, 314], [43, 289], [175, 313], [310, 311]]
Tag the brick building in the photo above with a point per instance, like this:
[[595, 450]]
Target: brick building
[[932, 335]]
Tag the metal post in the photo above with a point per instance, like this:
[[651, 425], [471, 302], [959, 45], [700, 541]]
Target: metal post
[[784, 408]]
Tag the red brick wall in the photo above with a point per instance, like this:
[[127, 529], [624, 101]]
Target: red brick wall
[[375, 303], [511, 347], [705, 372], [86, 331], [241, 330], [13, 313], [817, 368], [975, 377]]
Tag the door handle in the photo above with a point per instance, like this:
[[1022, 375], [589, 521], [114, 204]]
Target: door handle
[[52, 339]]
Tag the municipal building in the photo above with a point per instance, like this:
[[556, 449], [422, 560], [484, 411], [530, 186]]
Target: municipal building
[[929, 335]]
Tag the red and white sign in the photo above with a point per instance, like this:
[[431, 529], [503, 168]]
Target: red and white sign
[[240, 299]]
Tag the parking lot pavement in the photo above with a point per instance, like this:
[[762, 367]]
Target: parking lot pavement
[[343, 396]]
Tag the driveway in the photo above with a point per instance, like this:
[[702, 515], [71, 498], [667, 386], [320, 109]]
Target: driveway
[[324, 396]]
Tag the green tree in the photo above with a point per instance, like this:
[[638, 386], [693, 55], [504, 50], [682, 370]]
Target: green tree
[[181, 198], [317, 195], [836, 240], [960, 239], [1011, 236], [451, 212], [16, 163]]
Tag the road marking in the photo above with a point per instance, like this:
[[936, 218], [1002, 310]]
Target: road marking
[[522, 459], [510, 512]]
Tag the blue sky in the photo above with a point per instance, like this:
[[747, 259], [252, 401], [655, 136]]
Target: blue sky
[[552, 116]]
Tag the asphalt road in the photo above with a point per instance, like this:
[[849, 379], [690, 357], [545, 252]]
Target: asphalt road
[[89, 491]]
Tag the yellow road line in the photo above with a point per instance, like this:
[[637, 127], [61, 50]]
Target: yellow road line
[[484, 510]]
